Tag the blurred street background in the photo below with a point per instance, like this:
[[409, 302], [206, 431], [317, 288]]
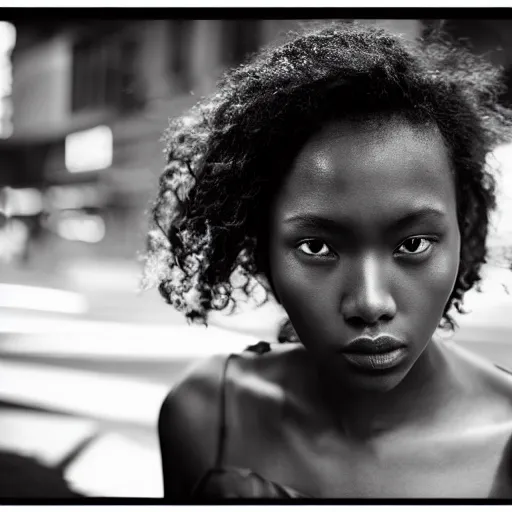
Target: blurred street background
[[85, 359]]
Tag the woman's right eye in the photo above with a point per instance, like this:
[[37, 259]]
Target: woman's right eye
[[315, 248]]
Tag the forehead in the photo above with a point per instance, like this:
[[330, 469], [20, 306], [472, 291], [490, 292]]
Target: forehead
[[350, 165]]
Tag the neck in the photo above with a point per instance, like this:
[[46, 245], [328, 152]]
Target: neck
[[415, 402]]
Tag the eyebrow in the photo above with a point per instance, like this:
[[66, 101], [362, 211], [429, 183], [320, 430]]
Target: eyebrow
[[327, 224]]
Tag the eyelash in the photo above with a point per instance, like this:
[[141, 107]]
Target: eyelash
[[430, 240], [422, 238], [305, 242]]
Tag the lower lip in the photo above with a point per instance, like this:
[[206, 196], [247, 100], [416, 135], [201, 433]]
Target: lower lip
[[382, 361]]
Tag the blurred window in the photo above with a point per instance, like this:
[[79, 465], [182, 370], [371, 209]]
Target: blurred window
[[179, 32], [78, 155], [240, 39], [104, 72]]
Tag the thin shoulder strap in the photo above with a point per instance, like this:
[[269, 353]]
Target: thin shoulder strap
[[260, 348], [222, 415], [503, 369]]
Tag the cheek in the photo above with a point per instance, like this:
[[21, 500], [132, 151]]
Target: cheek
[[428, 291], [444, 275], [445, 268], [303, 292]]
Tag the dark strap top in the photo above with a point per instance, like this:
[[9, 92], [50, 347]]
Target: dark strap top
[[235, 482]]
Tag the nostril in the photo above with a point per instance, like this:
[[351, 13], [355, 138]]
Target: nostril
[[357, 322], [360, 322], [368, 313]]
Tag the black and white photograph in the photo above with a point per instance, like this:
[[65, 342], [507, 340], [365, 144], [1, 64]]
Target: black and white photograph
[[255, 255]]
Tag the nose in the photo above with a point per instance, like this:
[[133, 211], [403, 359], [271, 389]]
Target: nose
[[366, 298]]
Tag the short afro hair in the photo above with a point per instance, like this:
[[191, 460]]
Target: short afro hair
[[227, 155]]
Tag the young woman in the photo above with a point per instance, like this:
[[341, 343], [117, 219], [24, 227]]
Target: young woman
[[344, 172]]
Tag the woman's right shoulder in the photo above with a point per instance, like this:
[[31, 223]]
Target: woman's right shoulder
[[194, 394], [188, 420], [192, 407], [191, 415], [199, 376]]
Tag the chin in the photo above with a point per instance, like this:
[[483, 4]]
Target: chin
[[377, 383], [373, 381]]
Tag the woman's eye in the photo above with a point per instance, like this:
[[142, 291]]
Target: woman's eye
[[314, 248], [415, 245]]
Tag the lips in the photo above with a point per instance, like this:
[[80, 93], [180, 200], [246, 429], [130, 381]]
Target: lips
[[375, 354], [378, 345]]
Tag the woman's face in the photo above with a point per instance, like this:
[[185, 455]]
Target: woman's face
[[364, 241]]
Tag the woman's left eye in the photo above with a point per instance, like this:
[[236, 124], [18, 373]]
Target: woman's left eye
[[415, 245]]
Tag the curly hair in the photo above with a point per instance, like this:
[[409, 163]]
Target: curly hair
[[226, 157]]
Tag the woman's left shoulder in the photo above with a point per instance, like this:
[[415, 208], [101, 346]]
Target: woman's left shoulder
[[503, 383], [497, 383], [485, 381]]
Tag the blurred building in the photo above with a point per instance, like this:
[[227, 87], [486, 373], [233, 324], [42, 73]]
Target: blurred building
[[91, 98]]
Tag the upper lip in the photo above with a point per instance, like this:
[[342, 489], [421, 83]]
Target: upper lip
[[368, 345]]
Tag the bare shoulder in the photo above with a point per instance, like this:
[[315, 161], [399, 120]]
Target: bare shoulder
[[490, 381], [502, 384], [187, 426], [190, 416], [266, 374]]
